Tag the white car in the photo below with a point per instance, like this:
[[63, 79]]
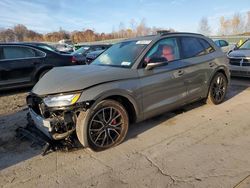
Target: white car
[[64, 47], [240, 60], [224, 45]]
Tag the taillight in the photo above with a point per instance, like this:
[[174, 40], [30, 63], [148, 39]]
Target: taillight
[[73, 59]]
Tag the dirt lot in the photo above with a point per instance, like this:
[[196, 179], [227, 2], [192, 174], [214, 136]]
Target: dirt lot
[[198, 146]]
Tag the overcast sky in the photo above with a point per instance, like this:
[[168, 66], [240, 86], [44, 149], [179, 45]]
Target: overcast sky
[[106, 15]]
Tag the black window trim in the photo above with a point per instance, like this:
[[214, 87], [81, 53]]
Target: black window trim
[[2, 46], [205, 47]]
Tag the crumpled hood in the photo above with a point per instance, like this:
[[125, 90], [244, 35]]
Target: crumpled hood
[[239, 53], [73, 78]]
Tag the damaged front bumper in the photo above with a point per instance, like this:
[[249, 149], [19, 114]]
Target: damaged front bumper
[[47, 126], [57, 123]]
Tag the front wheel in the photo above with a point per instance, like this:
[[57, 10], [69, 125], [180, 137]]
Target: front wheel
[[217, 89], [104, 127]]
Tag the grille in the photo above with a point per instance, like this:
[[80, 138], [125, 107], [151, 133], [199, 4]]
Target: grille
[[237, 62]]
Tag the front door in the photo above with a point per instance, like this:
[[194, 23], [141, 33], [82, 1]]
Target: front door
[[163, 87]]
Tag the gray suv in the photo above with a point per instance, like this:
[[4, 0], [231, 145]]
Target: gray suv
[[132, 81]]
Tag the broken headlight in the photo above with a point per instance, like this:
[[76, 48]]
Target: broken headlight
[[61, 100]]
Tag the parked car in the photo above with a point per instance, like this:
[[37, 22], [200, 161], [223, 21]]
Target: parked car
[[131, 81], [66, 41], [66, 48], [78, 46], [91, 56], [45, 46], [80, 54], [223, 44], [24, 64], [239, 60]]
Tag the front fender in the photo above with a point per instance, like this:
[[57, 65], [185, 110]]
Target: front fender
[[127, 89]]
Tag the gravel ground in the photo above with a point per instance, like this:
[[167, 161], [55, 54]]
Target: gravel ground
[[198, 146], [12, 101]]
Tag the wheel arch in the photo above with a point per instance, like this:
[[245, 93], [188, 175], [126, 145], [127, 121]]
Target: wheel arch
[[218, 70], [130, 104], [83, 117], [127, 104], [40, 70]]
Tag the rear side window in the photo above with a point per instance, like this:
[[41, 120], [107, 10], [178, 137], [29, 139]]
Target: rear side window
[[206, 45], [191, 47], [15, 52]]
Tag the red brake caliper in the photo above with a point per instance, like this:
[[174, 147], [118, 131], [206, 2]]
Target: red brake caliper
[[113, 122]]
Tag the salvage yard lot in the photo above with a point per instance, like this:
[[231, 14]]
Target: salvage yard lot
[[198, 146]]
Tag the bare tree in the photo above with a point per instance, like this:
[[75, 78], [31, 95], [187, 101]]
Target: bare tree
[[133, 26], [121, 30], [141, 28], [20, 32], [236, 23], [225, 26], [7, 35], [204, 27], [248, 22]]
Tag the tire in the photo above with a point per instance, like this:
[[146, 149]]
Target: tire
[[104, 126], [217, 89]]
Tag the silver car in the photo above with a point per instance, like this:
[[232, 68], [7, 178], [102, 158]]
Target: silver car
[[240, 60], [132, 81]]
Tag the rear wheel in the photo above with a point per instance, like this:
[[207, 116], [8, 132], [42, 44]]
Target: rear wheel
[[105, 126], [217, 89]]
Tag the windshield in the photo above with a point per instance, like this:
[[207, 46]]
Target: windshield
[[245, 45], [122, 54], [80, 51]]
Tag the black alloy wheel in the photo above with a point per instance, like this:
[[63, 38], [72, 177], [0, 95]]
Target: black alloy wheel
[[218, 88], [108, 125]]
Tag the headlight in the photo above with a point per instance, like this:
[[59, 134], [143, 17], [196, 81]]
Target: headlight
[[61, 100]]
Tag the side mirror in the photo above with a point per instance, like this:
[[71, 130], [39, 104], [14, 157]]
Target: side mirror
[[156, 62]]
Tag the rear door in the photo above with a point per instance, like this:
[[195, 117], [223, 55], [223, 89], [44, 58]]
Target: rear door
[[18, 64], [197, 63]]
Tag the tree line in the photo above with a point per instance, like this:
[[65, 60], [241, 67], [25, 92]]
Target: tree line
[[20, 33], [234, 25]]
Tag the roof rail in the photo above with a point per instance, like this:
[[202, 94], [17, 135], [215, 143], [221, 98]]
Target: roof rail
[[168, 33], [163, 32]]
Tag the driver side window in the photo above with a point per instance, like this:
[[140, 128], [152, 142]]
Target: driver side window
[[165, 48]]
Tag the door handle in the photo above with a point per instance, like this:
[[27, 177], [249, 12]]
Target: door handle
[[180, 72], [211, 64]]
